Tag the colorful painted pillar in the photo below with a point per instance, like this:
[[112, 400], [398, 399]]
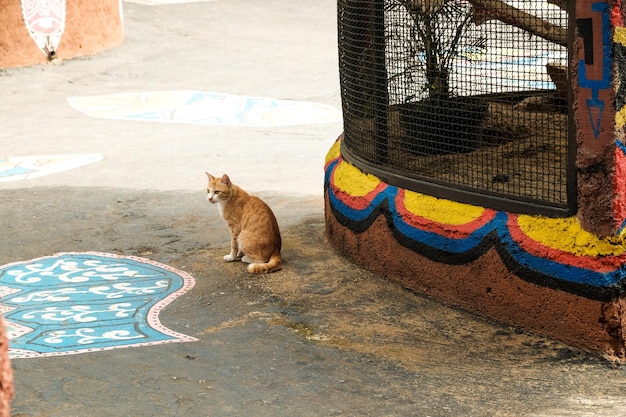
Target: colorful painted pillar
[[562, 277], [598, 72]]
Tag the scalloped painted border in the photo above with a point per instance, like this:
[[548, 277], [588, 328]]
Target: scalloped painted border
[[598, 274]]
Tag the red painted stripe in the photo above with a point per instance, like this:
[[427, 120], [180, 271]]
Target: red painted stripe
[[355, 202], [448, 230], [617, 19], [619, 187], [597, 263]]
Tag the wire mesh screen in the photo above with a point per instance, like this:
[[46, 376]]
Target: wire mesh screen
[[458, 94]]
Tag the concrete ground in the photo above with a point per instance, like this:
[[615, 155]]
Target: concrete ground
[[319, 338]]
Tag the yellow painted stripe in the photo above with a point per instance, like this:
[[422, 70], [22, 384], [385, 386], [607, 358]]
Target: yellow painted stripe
[[566, 234], [353, 182], [334, 151], [620, 117], [440, 210], [619, 35]]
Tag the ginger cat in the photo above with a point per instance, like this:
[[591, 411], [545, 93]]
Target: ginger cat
[[255, 238]]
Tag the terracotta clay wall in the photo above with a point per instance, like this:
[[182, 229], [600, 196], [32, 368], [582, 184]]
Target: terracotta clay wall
[[91, 26], [563, 277], [544, 274], [598, 72]]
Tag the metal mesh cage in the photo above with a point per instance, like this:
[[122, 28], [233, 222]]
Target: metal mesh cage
[[459, 98]]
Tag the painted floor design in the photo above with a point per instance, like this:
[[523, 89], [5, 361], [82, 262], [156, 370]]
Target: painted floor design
[[553, 252], [199, 107], [27, 167], [73, 303]]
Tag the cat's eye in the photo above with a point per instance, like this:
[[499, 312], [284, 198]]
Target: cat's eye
[[217, 191]]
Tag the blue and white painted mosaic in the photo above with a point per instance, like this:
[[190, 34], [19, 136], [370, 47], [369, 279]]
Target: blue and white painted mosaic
[[82, 302], [206, 108], [27, 167]]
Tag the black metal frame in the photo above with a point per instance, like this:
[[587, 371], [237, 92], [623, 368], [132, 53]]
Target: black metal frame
[[381, 167]]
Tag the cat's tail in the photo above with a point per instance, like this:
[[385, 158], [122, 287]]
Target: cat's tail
[[274, 264]]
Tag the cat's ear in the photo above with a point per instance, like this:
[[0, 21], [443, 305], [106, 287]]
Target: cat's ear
[[209, 176], [225, 180]]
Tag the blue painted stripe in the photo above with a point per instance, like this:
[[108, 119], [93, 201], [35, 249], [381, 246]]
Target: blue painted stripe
[[546, 267], [556, 269], [354, 214], [437, 241], [344, 209]]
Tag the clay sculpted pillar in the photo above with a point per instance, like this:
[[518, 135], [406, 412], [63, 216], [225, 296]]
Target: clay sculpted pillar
[[77, 27], [598, 69]]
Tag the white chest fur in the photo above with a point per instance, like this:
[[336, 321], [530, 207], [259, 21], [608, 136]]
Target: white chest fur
[[220, 208]]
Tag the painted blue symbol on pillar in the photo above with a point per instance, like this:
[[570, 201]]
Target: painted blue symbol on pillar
[[595, 106]]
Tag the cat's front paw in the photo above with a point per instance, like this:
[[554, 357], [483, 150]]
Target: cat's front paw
[[229, 258]]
